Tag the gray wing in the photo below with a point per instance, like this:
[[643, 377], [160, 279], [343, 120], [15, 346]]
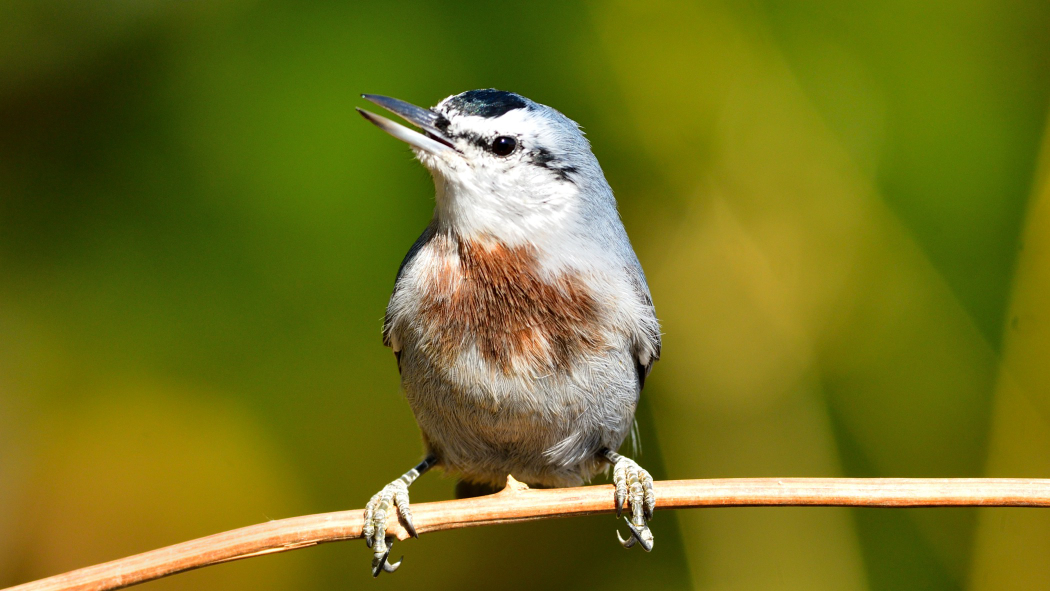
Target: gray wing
[[647, 344], [388, 322]]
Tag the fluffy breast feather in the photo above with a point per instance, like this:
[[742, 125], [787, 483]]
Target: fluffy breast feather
[[482, 293]]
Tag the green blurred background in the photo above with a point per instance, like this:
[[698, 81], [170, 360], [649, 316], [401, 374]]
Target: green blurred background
[[839, 205]]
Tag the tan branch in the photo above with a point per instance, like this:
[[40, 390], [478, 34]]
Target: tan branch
[[518, 503]]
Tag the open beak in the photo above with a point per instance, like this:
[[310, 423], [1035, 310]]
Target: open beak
[[432, 140]]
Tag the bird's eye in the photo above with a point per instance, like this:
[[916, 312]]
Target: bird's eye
[[504, 145]]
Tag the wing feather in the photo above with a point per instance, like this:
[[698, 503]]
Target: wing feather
[[389, 338]]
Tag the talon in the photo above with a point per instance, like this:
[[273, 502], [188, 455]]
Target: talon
[[392, 497], [380, 562], [625, 543], [406, 517], [644, 536], [387, 567], [634, 487], [620, 482]]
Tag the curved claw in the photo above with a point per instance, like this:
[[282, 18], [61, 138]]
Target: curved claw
[[633, 485], [406, 520], [625, 543], [380, 562], [392, 497], [392, 567], [641, 535]]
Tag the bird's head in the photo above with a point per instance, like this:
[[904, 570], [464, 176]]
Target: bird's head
[[503, 165]]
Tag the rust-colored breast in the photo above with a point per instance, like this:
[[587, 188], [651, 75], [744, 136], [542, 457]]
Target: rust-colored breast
[[494, 297]]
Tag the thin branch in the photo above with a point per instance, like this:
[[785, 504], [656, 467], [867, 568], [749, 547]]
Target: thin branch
[[519, 503]]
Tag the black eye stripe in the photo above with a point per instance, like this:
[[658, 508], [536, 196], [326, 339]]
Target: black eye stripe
[[543, 158], [479, 141]]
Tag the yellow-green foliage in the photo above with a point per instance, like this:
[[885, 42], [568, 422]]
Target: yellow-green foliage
[[838, 205]]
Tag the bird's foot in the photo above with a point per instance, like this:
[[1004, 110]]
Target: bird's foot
[[392, 496], [635, 486]]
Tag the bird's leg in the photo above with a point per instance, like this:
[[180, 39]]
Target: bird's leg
[[634, 485], [394, 494]]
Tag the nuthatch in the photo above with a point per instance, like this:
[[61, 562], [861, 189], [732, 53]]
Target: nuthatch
[[520, 319]]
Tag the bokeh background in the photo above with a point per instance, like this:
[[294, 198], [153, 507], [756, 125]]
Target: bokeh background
[[840, 206]]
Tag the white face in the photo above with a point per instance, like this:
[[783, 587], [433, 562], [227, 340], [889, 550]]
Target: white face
[[506, 168], [513, 176]]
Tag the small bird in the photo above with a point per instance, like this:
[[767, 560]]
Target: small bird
[[521, 320]]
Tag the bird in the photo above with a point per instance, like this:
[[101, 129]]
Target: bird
[[520, 319]]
